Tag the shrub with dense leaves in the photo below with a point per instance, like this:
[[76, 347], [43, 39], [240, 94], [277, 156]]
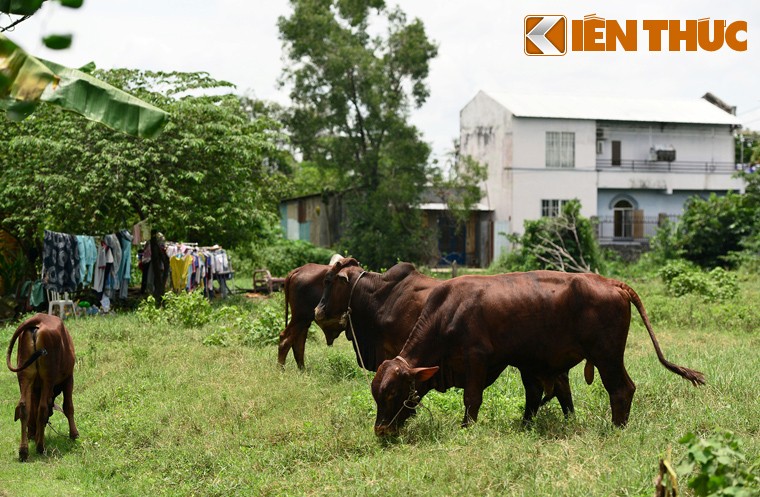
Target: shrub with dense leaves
[[711, 229], [717, 467], [187, 309], [238, 326], [682, 278], [280, 256]]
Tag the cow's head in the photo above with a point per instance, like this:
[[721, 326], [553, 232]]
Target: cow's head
[[395, 393], [330, 313]]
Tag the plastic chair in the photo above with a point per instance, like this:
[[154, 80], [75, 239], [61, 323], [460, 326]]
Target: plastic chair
[[61, 300]]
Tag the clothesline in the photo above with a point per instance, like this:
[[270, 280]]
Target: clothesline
[[70, 260], [192, 267]]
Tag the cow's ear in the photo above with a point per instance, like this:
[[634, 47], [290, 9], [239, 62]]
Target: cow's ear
[[343, 275], [424, 374], [347, 262]]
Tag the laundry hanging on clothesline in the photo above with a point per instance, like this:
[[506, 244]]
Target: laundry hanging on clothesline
[[193, 267], [72, 260]]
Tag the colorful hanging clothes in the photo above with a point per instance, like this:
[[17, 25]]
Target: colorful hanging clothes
[[104, 260], [180, 265], [125, 268], [60, 261], [88, 254], [112, 279]]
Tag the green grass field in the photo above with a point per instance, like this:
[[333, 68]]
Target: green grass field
[[160, 413]]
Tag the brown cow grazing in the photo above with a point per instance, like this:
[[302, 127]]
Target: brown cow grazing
[[540, 322], [303, 289], [45, 368], [384, 308]]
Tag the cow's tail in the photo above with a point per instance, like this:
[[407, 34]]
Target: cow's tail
[[695, 377], [30, 323], [286, 291]]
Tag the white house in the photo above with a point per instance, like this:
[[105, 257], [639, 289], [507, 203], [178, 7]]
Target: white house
[[629, 161]]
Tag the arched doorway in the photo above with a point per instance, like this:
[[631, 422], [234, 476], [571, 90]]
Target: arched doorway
[[623, 210]]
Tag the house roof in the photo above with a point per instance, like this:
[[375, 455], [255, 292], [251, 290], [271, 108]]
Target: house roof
[[697, 111]]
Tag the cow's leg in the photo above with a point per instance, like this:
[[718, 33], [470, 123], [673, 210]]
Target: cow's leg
[[473, 399], [22, 414], [299, 345], [533, 391], [35, 395], [620, 387], [43, 408], [293, 337], [286, 343], [563, 393], [68, 406], [473, 395]]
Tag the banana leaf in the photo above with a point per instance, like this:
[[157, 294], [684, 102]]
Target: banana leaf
[[26, 79], [86, 95], [22, 77]]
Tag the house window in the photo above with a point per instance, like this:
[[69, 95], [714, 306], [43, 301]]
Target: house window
[[599, 147], [552, 207], [623, 210], [560, 149]]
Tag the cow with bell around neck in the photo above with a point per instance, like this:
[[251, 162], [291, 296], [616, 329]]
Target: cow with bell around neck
[[384, 309]]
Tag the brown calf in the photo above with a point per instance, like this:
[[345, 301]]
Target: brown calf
[[45, 368]]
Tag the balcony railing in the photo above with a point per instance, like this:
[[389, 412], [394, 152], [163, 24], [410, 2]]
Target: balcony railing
[[649, 166], [636, 229]]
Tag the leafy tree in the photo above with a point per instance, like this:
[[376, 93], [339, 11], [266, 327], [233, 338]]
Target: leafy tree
[[352, 91], [458, 185], [208, 178], [712, 228]]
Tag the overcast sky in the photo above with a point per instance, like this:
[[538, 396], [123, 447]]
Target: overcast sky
[[480, 47]]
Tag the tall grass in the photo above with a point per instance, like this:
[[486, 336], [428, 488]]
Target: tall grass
[[162, 413]]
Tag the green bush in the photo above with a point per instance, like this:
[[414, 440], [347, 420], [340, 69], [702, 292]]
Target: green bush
[[711, 229], [682, 278], [148, 313], [280, 257], [187, 309], [237, 326], [264, 329], [717, 467], [664, 243], [674, 269]]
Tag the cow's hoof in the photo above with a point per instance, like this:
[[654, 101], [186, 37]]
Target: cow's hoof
[[23, 454], [74, 435], [40, 448]]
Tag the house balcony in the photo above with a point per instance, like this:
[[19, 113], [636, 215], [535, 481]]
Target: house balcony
[[669, 176], [649, 166]]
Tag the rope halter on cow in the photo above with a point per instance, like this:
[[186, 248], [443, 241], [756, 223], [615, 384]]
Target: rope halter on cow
[[413, 401], [351, 324]]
